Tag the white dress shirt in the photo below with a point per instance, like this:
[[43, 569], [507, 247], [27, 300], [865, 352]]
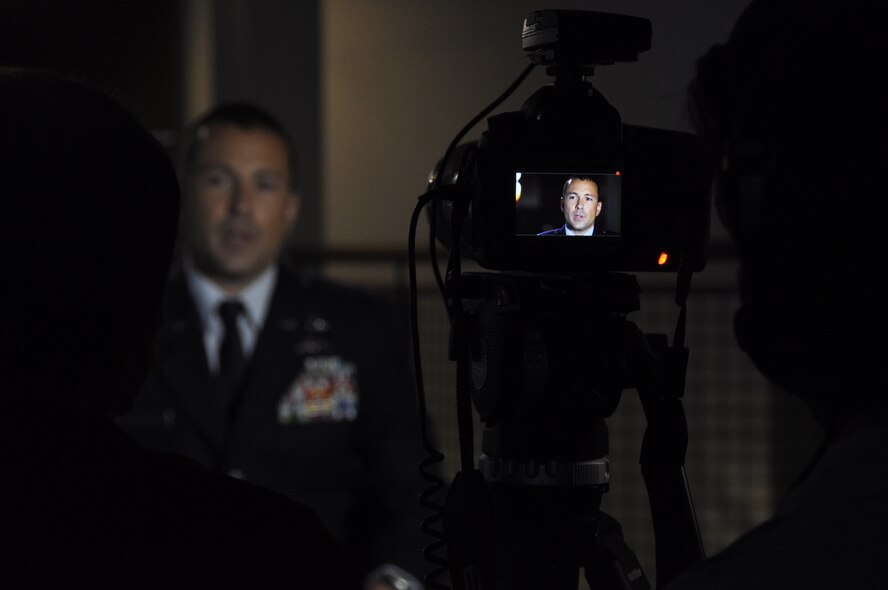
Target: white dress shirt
[[571, 232], [256, 298]]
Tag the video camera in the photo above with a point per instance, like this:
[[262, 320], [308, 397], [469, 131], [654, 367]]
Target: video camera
[[543, 347], [654, 194]]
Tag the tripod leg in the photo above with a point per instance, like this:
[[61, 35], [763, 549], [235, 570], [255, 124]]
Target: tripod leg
[[612, 564]]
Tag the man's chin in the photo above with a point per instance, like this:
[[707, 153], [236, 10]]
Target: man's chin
[[243, 272], [234, 273]]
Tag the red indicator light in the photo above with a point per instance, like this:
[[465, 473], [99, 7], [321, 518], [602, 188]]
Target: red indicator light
[[663, 258], [617, 173]]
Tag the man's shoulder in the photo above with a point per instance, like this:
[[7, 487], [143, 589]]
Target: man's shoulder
[[314, 289], [558, 231], [177, 297]]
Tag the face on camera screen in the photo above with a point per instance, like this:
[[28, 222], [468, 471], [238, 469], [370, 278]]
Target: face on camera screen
[[567, 204]]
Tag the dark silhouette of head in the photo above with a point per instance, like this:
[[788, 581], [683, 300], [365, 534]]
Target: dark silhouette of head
[[88, 228], [792, 112]]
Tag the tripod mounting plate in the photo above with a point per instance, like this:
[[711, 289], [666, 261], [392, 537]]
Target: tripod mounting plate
[[594, 473]]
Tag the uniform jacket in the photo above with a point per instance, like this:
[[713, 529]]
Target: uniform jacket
[[561, 231], [326, 412]]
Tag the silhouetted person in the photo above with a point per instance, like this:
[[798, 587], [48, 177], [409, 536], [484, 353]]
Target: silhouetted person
[[87, 231], [793, 112]]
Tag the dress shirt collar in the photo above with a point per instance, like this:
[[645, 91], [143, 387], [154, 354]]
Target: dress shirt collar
[[256, 298], [571, 232]]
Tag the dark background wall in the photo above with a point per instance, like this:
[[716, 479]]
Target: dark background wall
[[268, 52], [140, 51], [132, 49], [372, 91]]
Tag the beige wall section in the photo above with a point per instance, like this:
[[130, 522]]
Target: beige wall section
[[199, 84], [401, 77]]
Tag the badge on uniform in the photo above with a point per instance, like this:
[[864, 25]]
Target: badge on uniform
[[326, 390]]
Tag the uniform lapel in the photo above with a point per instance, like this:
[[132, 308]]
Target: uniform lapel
[[277, 357], [181, 363]]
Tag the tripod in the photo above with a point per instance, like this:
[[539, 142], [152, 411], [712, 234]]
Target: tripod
[[528, 516]]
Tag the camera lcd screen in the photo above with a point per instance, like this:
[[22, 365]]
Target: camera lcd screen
[[568, 204]]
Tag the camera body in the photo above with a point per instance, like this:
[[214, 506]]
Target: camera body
[[654, 194]]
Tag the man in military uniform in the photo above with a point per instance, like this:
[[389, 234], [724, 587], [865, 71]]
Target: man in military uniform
[[294, 383]]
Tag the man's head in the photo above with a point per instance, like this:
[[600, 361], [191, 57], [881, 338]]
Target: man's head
[[795, 124], [240, 198], [89, 223], [580, 203]]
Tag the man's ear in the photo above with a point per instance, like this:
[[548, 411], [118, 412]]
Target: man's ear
[[561, 205]]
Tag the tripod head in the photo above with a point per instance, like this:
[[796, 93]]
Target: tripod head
[[547, 365]]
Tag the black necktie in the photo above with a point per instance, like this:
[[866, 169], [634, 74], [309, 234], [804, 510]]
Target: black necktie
[[231, 352]]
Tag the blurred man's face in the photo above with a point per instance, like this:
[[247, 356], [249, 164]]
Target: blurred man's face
[[239, 207], [580, 205]]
